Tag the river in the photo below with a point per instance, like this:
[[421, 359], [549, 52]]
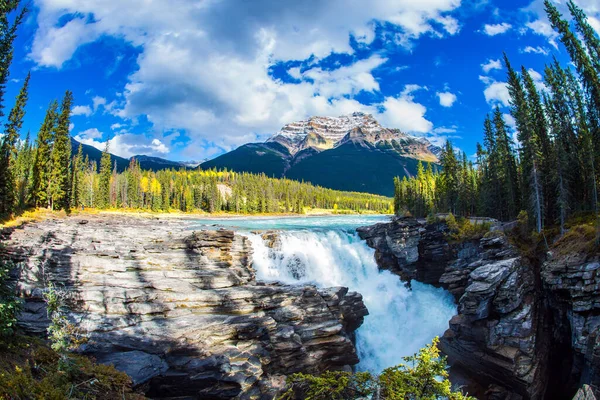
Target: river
[[326, 251]]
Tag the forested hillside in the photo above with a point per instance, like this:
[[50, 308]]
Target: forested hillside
[[551, 172]]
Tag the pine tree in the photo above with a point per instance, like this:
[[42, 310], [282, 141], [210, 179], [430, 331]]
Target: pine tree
[[8, 34], [59, 187], [578, 53], [8, 151], [23, 171], [105, 174], [530, 165], [42, 162], [591, 40], [539, 127], [508, 178], [76, 178], [490, 184], [450, 177]]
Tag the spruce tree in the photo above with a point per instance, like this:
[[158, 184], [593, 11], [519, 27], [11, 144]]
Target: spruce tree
[[8, 151], [23, 171], [59, 187], [577, 51], [76, 177], [530, 165], [105, 173], [8, 34], [450, 177], [539, 127], [491, 185], [508, 180], [42, 162]]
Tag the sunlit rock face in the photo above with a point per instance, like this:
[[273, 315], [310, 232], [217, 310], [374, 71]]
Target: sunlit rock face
[[324, 133], [179, 310]]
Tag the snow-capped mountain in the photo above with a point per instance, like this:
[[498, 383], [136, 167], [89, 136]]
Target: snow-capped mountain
[[331, 128], [328, 132], [351, 152]]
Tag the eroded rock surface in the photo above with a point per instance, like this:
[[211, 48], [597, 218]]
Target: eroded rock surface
[[179, 309], [573, 285], [525, 328]]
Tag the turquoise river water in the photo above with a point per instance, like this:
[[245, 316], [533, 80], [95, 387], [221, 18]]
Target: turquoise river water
[[326, 251]]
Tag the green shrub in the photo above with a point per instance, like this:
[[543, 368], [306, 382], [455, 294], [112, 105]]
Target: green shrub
[[10, 305], [463, 229], [31, 370], [424, 376]]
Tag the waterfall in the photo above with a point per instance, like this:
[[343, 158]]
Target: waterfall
[[400, 320]]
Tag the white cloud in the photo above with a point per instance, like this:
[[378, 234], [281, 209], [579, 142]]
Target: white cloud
[[543, 28], [405, 115], [509, 120], [447, 99], [491, 65], [495, 92], [98, 101], [536, 50], [116, 126], [444, 130], [595, 23], [125, 144], [203, 75], [92, 133], [496, 29], [81, 110]]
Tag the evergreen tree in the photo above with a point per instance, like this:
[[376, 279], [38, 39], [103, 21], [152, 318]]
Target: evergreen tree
[[59, 187], [42, 162], [490, 180], [450, 177], [8, 34], [591, 40], [577, 51], [8, 151], [23, 171], [520, 110], [104, 182], [508, 180], [76, 178]]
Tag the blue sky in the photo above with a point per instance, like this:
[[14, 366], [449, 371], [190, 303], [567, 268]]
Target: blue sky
[[189, 79]]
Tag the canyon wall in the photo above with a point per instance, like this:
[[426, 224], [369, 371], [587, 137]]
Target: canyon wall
[[527, 327]]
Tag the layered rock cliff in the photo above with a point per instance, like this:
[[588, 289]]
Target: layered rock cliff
[[178, 309], [526, 327]]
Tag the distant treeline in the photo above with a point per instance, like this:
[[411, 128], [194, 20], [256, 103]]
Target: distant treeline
[[88, 185], [552, 172]]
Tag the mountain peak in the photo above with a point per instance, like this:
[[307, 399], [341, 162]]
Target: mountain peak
[[324, 133], [330, 128]]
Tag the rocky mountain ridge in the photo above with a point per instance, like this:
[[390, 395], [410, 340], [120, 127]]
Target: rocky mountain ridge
[[351, 153], [324, 133]]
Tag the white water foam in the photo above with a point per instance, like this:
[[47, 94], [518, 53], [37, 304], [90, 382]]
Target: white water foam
[[400, 320]]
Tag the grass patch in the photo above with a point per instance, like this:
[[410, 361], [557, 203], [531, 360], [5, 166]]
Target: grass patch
[[578, 239], [32, 215]]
